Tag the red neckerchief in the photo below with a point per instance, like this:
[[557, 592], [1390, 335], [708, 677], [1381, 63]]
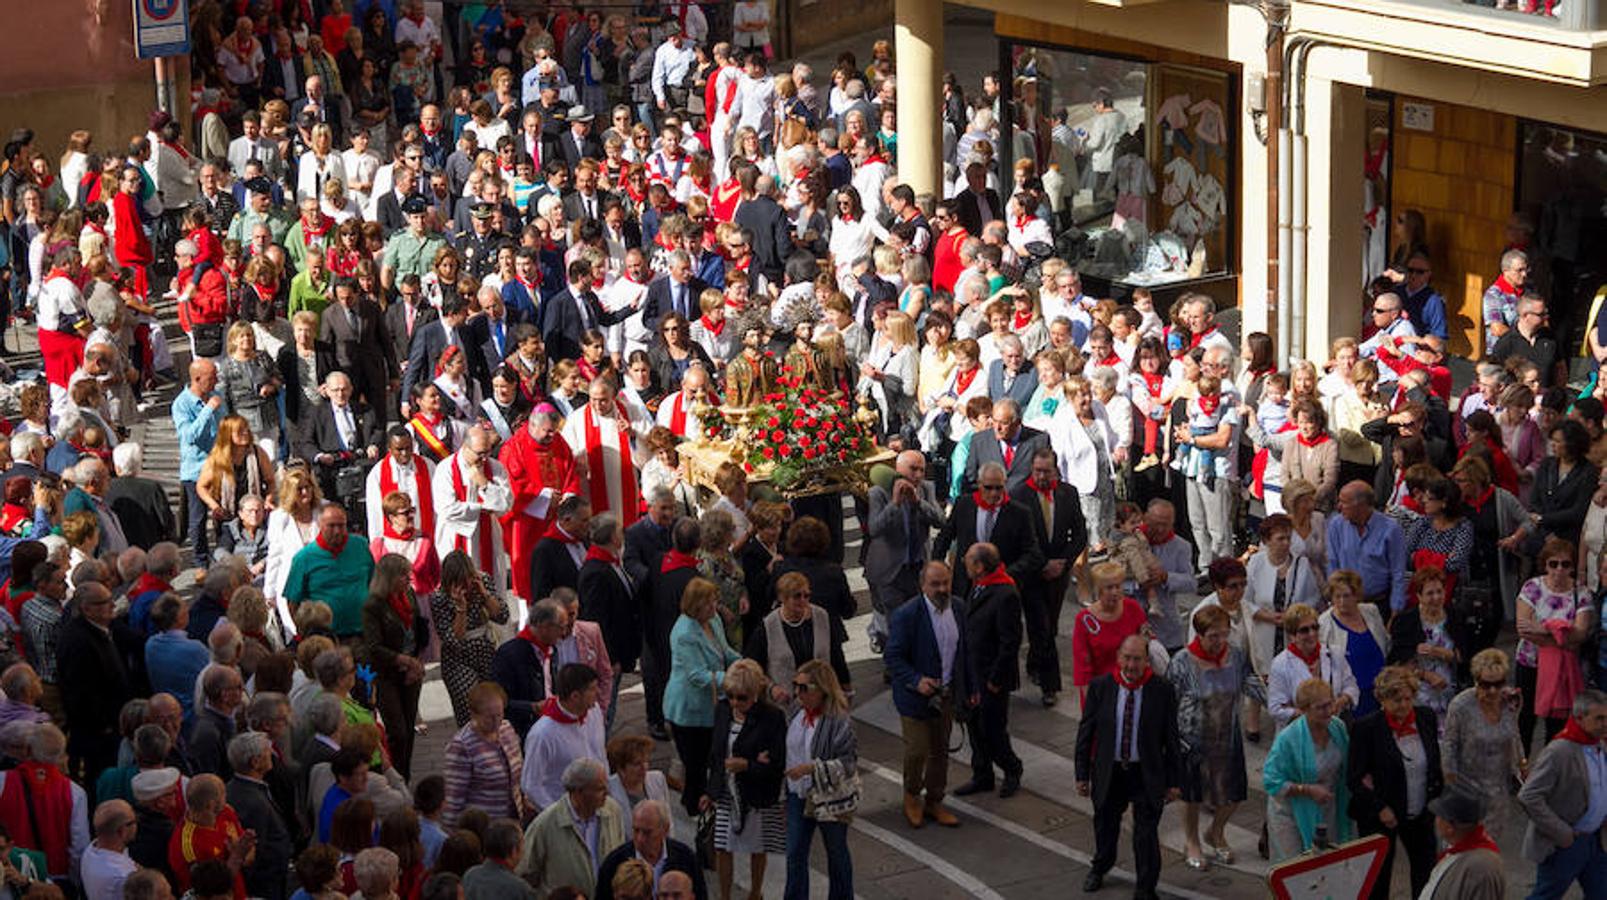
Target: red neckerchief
[[460, 491], [1198, 651], [552, 709], [1021, 222], [1133, 685], [675, 559], [332, 551], [962, 380], [1113, 360], [1317, 441], [1194, 339], [1477, 839], [148, 582], [1478, 504], [399, 602], [810, 718], [528, 633], [557, 533], [1503, 285], [393, 534], [601, 553], [1044, 489], [1021, 319], [1575, 732], [997, 576], [984, 505], [872, 160], [1209, 404], [1156, 540], [1153, 382], [1300, 655], [713, 328], [176, 148], [317, 229], [1402, 727]]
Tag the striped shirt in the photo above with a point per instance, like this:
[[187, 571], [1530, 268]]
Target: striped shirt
[[483, 774]]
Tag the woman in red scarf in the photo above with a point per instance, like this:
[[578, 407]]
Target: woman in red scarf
[[1394, 761], [1212, 676], [395, 633], [1099, 630]]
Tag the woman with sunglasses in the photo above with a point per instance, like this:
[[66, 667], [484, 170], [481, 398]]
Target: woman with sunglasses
[[1479, 746], [699, 655], [402, 536], [1305, 658], [1554, 618], [820, 745], [746, 765], [1304, 776]]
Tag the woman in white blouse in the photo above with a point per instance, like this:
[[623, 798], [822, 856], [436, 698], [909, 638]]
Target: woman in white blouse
[[889, 374], [291, 526], [1084, 442], [853, 233], [318, 165], [1304, 658]]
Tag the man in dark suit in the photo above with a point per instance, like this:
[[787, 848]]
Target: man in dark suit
[[248, 793], [577, 143], [993, 642], [770, 234], [1062, 535], [93, 679], [1380, 801], [406, 317], [567, 317], [929, 664], [978, 203], [1010, 444], [586, 201], [351, 334], [898, 532], [556, 559], [341, 433], [315, 108], [491, 337], [527, 665], [676, 292], [675, 572], [429, 340], [608, 595], [388, 208], [987, 516], [283, 72], [651, 843], [1012, 375], [1127, 753]]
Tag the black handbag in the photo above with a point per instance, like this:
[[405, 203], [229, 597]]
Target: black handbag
[[705, 839], [208, 338]]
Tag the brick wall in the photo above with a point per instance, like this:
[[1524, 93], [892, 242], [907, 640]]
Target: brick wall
[[1460, 176]]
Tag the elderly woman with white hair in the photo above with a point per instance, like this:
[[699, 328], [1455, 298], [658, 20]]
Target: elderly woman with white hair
[[111, 333]]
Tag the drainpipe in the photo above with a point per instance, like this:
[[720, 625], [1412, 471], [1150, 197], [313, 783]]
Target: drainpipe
[[1300, 182], [1277, 197]]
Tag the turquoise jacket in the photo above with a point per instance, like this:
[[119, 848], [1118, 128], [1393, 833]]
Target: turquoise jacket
[[697, 670], [1293, 760]]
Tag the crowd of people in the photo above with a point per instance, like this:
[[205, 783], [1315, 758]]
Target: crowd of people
[[441, 335]]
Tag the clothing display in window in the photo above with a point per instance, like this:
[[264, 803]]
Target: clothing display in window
[[1134, 184]]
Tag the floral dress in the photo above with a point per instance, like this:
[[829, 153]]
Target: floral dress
[[727, 575], [1208, 704]]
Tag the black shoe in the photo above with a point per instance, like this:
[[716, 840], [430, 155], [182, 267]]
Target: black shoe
[[1093, 882], [1011, 785], [973, 787], [658, 732], [1049, 698], [1142, 894]]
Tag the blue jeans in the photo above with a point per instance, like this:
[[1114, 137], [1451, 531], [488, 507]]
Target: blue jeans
[[800, 836], [1584, 862]]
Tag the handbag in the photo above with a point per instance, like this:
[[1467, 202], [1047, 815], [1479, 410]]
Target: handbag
[[208, 338], [833, 792], [705, 839]]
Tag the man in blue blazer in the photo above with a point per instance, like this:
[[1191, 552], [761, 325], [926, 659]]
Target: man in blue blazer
[[928, 661], [1012, 375], [569, 315]]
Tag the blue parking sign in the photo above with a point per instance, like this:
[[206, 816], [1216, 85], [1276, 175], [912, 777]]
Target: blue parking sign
[[161, 28]]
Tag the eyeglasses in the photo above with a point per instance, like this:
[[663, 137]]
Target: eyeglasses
[[404, 512], [990, 488], [1491, 685], [1306, 629], [1380, 310], [1559, 564]]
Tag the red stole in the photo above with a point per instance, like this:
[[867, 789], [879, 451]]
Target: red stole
[[52, 810], [678, 413], [597, 467], [485, 554], [421, 484]]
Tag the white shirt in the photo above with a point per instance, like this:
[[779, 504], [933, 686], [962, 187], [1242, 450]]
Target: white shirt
[[103, 872], [756, 99], [947, 632], [800, 746], [670, 65], [552, 745], [59, 300]]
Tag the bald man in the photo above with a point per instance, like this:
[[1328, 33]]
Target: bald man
[[1127, 754], [196, 414], [471, 491], [899, 530]]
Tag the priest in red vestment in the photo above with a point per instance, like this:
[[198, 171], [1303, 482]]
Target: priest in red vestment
[[541, 471], [600, 436]]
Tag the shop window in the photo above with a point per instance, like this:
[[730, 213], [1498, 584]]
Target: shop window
[[1137, 158]]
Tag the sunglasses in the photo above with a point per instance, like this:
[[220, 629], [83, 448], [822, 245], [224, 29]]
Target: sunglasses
[[739, 698], [802, 686], [1379, 310], [1491, 685], [1559, 564], [1306, 629]]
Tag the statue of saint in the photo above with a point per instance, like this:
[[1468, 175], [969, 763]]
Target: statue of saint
[[752, 374], [803, 358]]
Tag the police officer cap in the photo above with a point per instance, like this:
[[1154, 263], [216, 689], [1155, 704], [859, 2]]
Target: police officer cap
[[415, 206]]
